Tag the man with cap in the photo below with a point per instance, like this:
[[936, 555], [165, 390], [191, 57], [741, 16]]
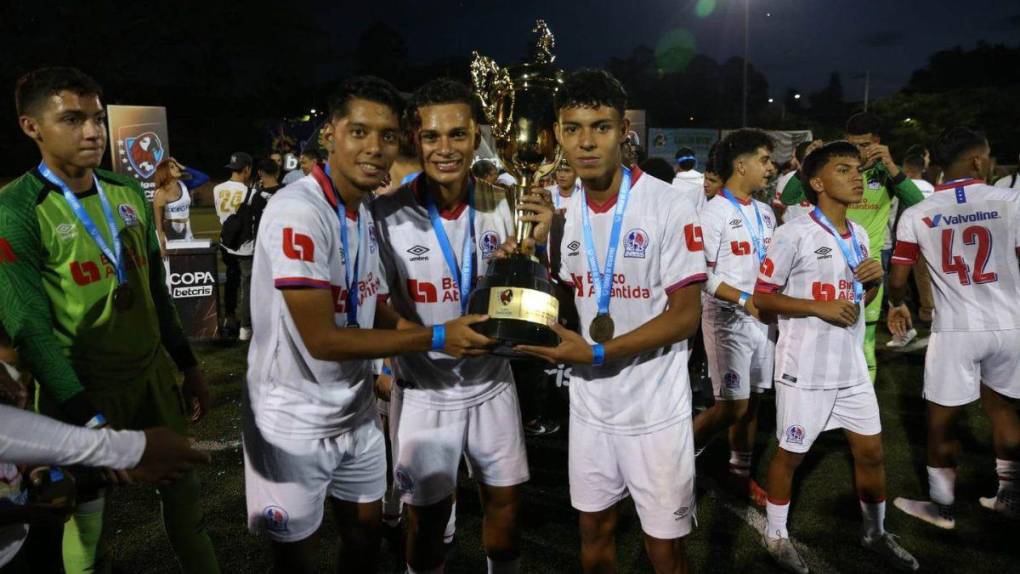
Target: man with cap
[[228, 197], [687, 179]]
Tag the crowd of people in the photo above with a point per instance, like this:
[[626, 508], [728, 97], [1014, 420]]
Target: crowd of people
[[368, 387]]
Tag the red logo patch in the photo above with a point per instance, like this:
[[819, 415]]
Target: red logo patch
[[694, 237], [768, 267], [84, 273], [297, 246]]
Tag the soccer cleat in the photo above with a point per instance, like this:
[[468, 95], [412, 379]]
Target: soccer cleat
[[782, 551], [1006, 503], [899, 342], [928, 511], [746, 489], [541, 427], [887, 546]]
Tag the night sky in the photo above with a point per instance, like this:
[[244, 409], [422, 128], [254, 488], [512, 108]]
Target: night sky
[[257, 62]]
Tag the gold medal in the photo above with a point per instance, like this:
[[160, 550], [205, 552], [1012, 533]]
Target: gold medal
[[601, 328], [123, 298]]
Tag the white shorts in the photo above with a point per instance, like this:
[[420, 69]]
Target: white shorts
[[803, 414], [741, 354], [656, 469], [428, 445], [286, 481], [958, 363]]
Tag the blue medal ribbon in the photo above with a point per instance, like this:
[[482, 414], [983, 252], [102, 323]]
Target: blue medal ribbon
[[759, 239], [604, 278], [350, 269], [115, 255], [466, 277], [851, 253]]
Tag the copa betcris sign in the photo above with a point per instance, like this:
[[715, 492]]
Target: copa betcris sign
[[192, 284]]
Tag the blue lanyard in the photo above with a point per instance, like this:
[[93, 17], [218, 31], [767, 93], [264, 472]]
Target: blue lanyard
[[350, 270], [115, 255], [467, 261], [604, 279], [759, 239], [851, 253]]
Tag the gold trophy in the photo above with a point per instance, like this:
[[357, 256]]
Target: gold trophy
[[516, 292]]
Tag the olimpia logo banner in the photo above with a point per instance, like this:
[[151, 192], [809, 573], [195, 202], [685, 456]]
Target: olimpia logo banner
[[140, 141]]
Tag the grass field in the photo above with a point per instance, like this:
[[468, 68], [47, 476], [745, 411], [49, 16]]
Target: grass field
[[824, 517]]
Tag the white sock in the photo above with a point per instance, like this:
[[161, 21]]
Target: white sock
[[740, 463], [1009, 474], [941, 483], [873, 516], [451, 525], [777, 514], [507, 567], [436, 570]]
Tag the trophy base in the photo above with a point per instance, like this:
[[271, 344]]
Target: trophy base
[[518, 298]]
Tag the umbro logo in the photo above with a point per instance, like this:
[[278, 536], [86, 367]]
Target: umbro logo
[[573, 246], [735, 223], [681, 513], [824, 253], [418, 252]]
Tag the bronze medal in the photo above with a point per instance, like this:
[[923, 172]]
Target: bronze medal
[[123, 298], [601, 328]]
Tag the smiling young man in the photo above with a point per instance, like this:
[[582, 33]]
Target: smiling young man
[[436, 235], [739, 346], [311, 430], [633, 254], [883, 181], [968, 233], [85, 301], [817, 278]]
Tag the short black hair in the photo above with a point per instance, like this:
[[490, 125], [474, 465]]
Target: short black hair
[[863, 123], [368, 88], [658, 168], [590, 88], [736, 144], [800, 150], [819, 158], [268, 167], [483, 168], [38, 85], [712, 166], [685, 158], [953, 142], [914, 161], [443, 91]]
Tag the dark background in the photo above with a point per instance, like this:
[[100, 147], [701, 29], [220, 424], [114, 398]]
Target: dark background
[[226, 71]]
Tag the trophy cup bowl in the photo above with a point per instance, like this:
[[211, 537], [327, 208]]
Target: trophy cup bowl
[[516, 292]]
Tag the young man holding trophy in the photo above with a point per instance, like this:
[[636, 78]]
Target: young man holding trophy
[[436, 235], [634, 256]]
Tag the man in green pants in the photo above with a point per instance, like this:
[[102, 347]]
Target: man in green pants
[[883, 180], [83, 298]]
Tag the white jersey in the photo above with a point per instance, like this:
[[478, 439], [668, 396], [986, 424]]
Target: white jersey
[[926, 188], [424, 290], [1011, 181], [692, 184], [660, 251], [227, 197], [730, 251], [292, 394], [557, 196], [968, 233], [178, 214], [805, 262], [790, 212]]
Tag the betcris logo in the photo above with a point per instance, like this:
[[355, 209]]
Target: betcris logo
[[938, 219]]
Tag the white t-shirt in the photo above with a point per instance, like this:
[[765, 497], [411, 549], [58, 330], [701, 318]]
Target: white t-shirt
[[660, 251], [692, 184], [729, 250], [968, 233], [791, 212], [423, 289], [1006, 181], [557, 196], [292, 394], [926, 188], [805, 262]]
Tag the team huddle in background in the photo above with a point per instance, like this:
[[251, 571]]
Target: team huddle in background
[[367, 386]]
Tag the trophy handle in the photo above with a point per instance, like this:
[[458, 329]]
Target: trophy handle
[[492, 84]]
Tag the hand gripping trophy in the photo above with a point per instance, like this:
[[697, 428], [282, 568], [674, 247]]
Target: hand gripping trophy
[[518, 104]]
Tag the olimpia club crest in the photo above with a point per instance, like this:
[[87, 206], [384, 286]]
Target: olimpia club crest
[[142, 153]]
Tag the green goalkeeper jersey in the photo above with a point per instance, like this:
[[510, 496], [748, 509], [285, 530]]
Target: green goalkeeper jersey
[[57, 290]]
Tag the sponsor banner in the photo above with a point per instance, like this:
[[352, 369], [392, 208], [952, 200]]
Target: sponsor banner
[[140, 141], [192, 283]]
